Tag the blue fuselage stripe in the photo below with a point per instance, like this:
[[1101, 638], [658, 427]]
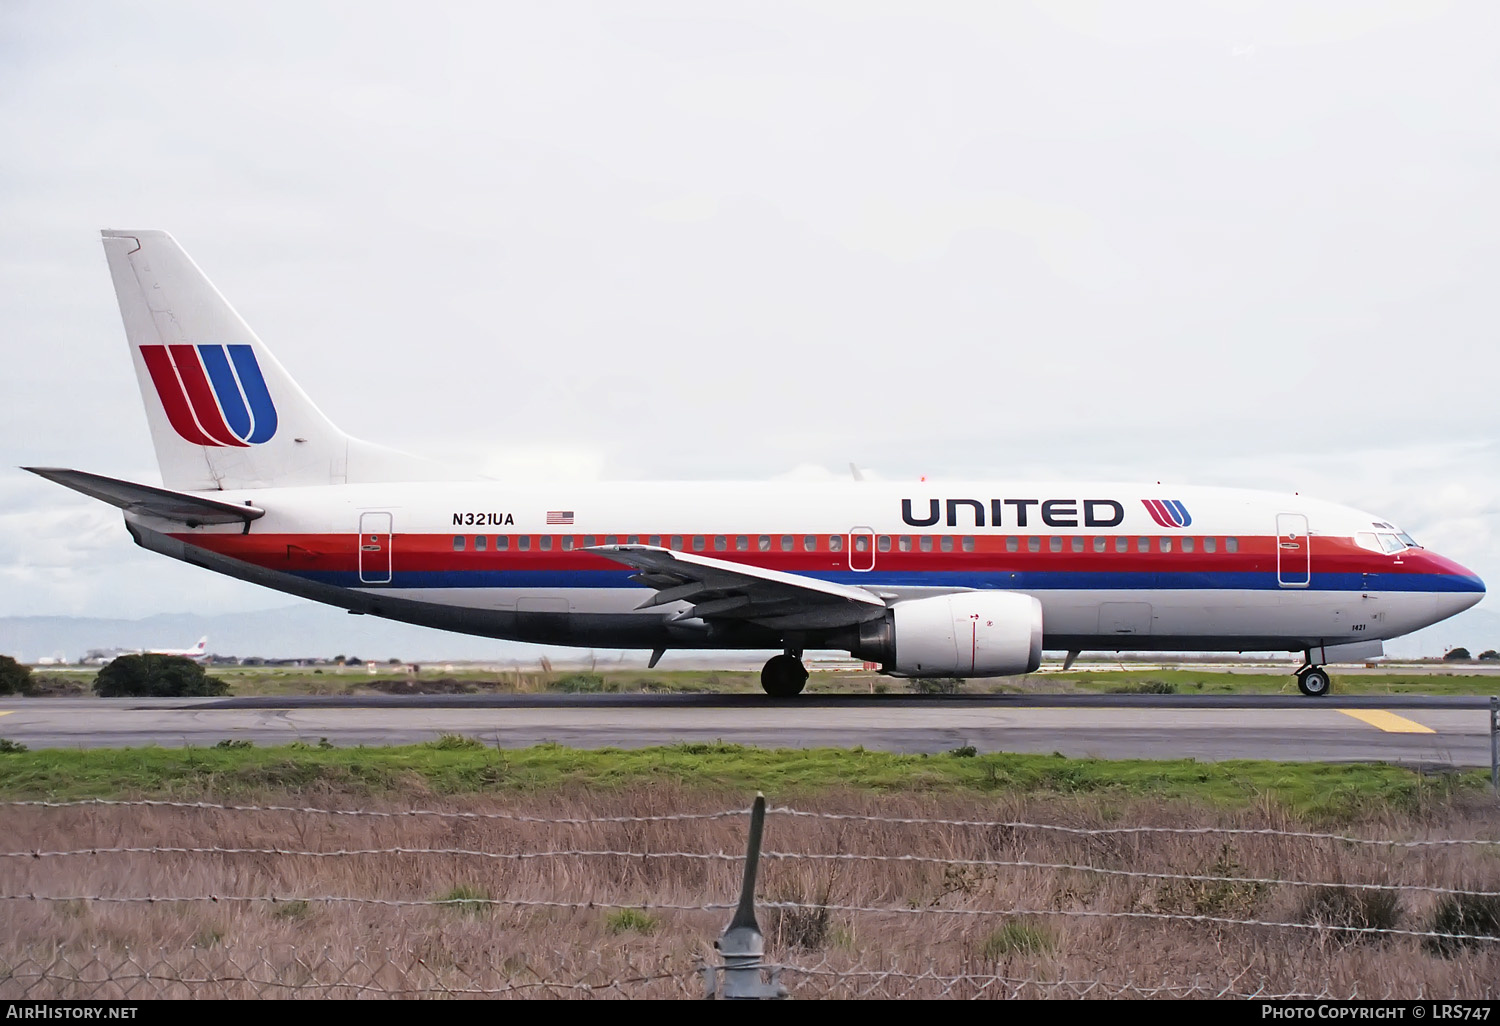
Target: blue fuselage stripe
[[1014, 581]]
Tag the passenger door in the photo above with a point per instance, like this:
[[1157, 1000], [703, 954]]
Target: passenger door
[[861, 549], [1293, 551], [374, 548]]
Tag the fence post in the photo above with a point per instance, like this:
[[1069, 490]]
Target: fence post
[[1495, 744], [741, 944]]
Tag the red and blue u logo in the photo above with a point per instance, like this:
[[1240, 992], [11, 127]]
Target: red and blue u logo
[[213, 394], [1167, 512]]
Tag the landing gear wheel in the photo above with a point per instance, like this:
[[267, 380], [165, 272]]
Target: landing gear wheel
[[1313, 681], [783, 676]]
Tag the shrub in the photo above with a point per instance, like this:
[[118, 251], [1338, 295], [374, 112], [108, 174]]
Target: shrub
[[583, 683], [1455, 655], [468, 900], [14, 677], [1016, 937], [935, 685], [156, 676], [1488, 654], [9, 747], [1146, 687], [238, 743], [1463, 913], [455, 742], [1353, 907], [964, 752], [631, 920]]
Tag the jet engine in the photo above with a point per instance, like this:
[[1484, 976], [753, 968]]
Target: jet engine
[[967, 634]]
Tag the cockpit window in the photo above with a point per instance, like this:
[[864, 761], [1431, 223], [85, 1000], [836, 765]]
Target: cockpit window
[[1407, 539], [1367, 540], [1390, 543]]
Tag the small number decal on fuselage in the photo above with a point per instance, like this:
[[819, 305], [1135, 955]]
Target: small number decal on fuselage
[[483, 520]]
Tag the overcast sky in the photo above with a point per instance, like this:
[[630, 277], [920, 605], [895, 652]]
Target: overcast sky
[[1222, 243]]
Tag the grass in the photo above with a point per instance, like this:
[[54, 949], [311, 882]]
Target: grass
[[455, 765], [446, 679], [620, 923]]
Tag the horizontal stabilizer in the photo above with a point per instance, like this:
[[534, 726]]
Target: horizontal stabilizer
[[149, 501]]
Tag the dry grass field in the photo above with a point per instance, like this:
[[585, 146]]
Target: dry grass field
[[944, 927]]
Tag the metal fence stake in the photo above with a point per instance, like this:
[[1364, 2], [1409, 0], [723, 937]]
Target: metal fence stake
[[1495, 744], [741, 945]]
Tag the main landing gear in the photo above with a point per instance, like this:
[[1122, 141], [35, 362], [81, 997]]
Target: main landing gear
[[784, 676], [1313, 681]]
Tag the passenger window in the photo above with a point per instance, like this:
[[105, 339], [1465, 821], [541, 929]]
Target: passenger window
[[741, 543], [835, 543], [546, 543], [1122, 544], [786, 543], [947, 543], [1231, 545], [1077, 543], [524, 543], [1187, 545], [655, 539], [720, 544], [1143, 545], [1164, 545], [924, 542], [588, 539], [676, 542], [458, 543], [810, 543], [904, 543], [763, 543], [1100, 544], [861, 543], [502, 542], [1012, 543], [1054, 544], [479, 543], [697, 543], [968, 543], [567, 543], [1033, 544], [883, 543], [1210, 544]]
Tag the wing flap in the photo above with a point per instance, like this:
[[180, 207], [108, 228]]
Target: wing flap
[[720, 589], [148, 500]]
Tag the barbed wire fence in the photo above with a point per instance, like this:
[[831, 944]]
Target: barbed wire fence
[[1013, 960]]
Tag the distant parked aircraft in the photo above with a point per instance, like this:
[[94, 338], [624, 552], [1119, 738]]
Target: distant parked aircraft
[[198, 651]]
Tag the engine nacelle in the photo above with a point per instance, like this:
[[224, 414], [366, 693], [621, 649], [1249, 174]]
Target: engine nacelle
[[967, 634]]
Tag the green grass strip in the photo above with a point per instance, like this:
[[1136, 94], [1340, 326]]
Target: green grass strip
[[461, 766]]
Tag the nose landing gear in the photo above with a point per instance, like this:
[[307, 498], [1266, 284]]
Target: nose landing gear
[[1313, 681], [784, 676]]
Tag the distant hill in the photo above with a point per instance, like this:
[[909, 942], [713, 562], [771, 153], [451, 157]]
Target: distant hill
[[311, 630]]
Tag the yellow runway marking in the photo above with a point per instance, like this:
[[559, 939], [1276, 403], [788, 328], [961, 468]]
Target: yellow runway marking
[[1388, 721], [6, 712]]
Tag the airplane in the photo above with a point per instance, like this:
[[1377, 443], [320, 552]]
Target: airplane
[[951, 579], [198, 651]]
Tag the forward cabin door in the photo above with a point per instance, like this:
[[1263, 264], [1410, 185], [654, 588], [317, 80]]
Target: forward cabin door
[[1293, 551], [861, 549], [374, 548]]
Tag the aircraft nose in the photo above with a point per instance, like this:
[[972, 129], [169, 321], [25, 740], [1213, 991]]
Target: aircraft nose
[[1464, 590]]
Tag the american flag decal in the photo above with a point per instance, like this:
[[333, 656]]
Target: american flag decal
[[556, 516]]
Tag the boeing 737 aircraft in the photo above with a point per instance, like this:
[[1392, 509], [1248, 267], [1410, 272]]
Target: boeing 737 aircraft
[[198, 651], [958, 579]]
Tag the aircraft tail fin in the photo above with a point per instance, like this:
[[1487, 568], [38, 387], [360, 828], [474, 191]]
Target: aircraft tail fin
[[223, 411]]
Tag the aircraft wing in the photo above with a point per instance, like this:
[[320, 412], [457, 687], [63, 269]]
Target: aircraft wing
[[183, 507], [719, 589]]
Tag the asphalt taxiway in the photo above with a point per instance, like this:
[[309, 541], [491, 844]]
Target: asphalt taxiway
[[1433, 731]]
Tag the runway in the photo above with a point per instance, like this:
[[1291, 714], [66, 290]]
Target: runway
[[1430, 731]]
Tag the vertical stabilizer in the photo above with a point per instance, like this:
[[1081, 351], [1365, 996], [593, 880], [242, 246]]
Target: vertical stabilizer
[[223, 412]]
